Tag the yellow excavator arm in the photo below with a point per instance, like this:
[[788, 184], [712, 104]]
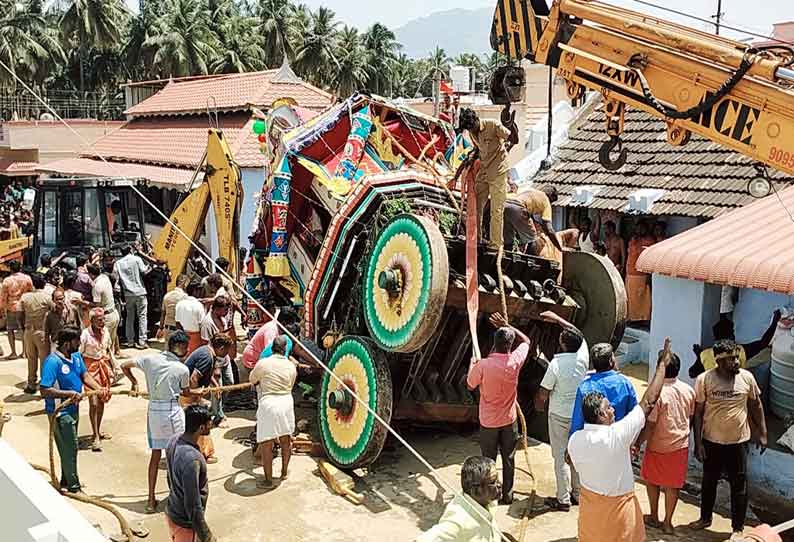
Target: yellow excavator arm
[[729, 92], [223, 187]]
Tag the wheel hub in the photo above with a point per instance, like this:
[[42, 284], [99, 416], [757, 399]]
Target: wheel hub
[[341, 401]]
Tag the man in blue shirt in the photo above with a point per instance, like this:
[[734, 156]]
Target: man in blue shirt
[[62, 377], [607, 381]]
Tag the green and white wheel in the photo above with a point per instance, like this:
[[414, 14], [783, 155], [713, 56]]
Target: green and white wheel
[[405, 286], [350, 434]]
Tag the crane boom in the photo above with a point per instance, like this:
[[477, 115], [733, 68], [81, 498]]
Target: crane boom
[[729, 92]]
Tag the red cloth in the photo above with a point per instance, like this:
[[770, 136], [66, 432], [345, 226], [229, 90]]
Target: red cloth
[[472, 286], [665, 470], [194, 342]]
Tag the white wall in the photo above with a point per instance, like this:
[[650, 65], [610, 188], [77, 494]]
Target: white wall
[[753, 312], [32, 510], [685, 311]]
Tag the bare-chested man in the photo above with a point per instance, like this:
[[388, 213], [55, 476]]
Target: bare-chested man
[[616, 248]]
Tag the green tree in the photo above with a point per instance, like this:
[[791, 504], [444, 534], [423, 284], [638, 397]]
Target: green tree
[[276, 17], [93, 24], [381, 49], [314, 56], [240, 48], [351, 75], [182, 43], [28, 47], [439, 63]]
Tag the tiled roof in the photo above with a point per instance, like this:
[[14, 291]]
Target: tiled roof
[[234, 92], [167, 177], [747, 248], [700, 179], [178, 141], [13, 168]]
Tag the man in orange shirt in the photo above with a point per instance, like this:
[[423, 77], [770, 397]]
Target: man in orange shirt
[[666, 458], [14, 286]]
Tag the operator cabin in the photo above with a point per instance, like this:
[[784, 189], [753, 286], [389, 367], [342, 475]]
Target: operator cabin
[[160, 146]]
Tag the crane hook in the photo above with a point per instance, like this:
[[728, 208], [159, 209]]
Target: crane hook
[[604, 154]]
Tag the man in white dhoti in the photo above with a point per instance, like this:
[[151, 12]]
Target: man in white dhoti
[[167, 378], [274, 378]]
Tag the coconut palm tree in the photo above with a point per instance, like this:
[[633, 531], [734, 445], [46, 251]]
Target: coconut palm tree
[[439, 63], [28, 48], [314, 55], [381, 48], [402, 74], [93, 24], [240, 48], [276, 17], [182, 43], [352, 73]]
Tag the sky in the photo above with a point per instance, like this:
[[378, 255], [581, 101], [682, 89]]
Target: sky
[[756, 15]]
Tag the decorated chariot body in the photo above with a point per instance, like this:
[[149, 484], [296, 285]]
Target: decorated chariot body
[[359, 226]]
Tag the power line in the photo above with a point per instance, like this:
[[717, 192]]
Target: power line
[[707, 21]]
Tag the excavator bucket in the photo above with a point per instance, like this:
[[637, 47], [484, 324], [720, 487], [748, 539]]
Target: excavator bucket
[[516, 27]]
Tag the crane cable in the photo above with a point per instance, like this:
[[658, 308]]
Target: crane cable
[[336, 378]]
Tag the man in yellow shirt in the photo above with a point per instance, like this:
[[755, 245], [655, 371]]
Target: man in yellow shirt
[[493, 141], [723, 329], [469, 517], [524, 213]]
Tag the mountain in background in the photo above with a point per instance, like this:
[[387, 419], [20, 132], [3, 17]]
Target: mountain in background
[[456, 31]]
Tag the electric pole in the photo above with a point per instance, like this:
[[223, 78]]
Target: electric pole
[[718, 16]]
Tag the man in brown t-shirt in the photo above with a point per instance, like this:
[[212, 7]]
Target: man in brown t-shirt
[[33, 308], [727, 399]]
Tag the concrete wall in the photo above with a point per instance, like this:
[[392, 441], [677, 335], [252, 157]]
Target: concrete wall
[[56, 141], [32, 510], [685, 311], [753, 312]]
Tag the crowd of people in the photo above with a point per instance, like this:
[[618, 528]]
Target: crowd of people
[[597, 425], [69, 332], [16, 220]]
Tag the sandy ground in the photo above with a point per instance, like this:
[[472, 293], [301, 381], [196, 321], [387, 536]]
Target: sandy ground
[[401, 497]]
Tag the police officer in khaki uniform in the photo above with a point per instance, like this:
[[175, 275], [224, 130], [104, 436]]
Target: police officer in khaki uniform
[[493, 142]]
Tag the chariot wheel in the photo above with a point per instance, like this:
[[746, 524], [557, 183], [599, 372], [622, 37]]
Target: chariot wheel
[[350, 434], [596, 285], [405, 284]]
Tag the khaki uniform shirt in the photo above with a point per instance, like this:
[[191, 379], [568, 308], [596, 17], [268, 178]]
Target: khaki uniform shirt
[[535, 202], [169, 304], [36, 305], [493, 155]]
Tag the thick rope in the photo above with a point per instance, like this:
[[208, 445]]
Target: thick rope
[[125, 527]]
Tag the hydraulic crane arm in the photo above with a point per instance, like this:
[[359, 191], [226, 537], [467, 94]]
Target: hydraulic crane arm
[[729, 92], [222, 187]]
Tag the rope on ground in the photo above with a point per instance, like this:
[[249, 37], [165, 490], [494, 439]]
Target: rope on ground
[[123, 523]]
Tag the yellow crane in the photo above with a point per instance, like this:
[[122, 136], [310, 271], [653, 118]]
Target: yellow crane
[[733, 93]]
